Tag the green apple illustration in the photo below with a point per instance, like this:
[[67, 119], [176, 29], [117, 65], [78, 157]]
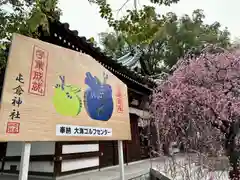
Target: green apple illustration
[[66, 99]]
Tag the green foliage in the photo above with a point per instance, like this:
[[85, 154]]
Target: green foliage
[[92, 40], [114, 44], [24, 17], [162, 38], [164, 2]]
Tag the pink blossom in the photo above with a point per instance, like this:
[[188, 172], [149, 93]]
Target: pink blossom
[[195, 100]]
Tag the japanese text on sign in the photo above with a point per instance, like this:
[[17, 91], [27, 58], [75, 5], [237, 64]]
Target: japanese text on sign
[[38, 72], [119, 100], [13, 128], [71, 130], [16, 100], [43, 101]]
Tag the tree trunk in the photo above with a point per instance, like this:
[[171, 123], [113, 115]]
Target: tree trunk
[[234, 172], [232, 146]]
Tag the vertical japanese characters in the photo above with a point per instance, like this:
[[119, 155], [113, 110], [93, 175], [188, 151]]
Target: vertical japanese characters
[[17, 99], [119, 100], [37, 82], [13, 124]]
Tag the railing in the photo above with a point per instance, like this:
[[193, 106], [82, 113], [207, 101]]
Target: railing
[[142, 177], [156, 175], [195, 164]]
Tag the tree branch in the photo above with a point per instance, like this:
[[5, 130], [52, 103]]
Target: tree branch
[[225, 125]]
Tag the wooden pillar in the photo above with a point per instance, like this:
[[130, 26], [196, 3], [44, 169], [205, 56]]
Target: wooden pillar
[[57, 159], [3, 147]]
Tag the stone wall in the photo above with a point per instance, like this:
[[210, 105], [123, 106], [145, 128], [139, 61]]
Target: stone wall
[[142, 177]]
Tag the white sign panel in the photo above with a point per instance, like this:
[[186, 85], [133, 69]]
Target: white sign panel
[[71, 130]]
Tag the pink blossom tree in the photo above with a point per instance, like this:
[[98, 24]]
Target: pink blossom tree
[[199, 106]]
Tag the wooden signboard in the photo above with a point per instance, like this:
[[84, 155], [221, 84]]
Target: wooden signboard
[[55, 94]]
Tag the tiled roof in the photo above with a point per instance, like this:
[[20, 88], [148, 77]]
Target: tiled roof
[[131, 60], [59, 29]]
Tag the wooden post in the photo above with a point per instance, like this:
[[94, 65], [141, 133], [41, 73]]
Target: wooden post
[[25, 157], [121, 159]]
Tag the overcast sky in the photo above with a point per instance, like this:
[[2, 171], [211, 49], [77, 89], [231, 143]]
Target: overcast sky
[[85, 18]]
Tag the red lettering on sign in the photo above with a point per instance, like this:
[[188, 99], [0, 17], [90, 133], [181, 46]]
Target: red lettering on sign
[[37, 82], [13, 128], [119, 100]]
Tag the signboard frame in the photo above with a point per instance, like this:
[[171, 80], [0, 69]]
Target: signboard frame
[[93, 106], [29, 68]]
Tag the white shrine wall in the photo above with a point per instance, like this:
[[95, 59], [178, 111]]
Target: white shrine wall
[[79, 163], [37, 149]]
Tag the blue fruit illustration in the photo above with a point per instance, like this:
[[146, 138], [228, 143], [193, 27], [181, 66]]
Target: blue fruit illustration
[[66, 100], [98, 99]]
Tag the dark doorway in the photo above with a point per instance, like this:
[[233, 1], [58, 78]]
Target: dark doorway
[[133, 146], [3, 149], [109, 153], [131, 149]]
